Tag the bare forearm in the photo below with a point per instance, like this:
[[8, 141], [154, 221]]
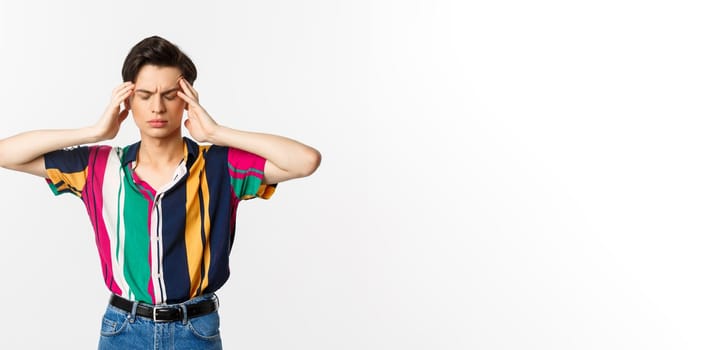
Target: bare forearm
[[289, 155], [286, 158], [23, 151], [28, 146]]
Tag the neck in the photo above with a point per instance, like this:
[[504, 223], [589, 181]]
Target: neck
[[159, 152]]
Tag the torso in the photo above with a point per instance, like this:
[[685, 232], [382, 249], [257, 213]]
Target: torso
[[168, 243]]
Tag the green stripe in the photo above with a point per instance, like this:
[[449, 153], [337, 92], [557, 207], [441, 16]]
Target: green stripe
[[136, 266], [247, 186], [53, 187]]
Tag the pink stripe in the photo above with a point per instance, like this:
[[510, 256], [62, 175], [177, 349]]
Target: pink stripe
[[93, 198], [145, 193], [150, 283], [244, 160]]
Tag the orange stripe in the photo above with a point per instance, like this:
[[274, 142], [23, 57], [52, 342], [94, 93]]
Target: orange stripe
[[266, 191], [73, 181], [207, 230], [193, 227]]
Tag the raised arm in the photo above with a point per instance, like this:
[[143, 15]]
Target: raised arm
[[286, 158], [24, 152]]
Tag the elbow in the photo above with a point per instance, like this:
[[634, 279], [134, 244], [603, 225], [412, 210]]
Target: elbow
[[312, 159]]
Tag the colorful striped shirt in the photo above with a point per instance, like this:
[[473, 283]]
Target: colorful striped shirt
[[167, 245]]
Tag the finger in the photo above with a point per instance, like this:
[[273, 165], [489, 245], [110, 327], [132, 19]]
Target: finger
[[185, 87], [123, 89], [122, 86], [118, 88], [123, 94], [189, 89], [189, 100], [126, 91]]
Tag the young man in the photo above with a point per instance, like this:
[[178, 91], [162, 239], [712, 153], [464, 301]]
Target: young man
[[163, 209]]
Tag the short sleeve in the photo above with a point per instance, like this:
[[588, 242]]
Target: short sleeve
[[67, 170], [246, 172]]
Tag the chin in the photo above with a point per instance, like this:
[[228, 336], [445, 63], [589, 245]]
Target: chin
[[161, 133]]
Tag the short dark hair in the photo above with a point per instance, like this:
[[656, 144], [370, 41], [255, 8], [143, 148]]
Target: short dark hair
[[157, 51]]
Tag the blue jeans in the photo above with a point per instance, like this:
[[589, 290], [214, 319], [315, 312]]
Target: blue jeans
[[126, 331]]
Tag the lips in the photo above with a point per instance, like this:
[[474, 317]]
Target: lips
[[157, 123]]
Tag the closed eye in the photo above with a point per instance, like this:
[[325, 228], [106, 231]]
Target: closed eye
[[168, 95]]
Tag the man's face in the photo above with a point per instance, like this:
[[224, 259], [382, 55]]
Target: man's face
[[156, 108]]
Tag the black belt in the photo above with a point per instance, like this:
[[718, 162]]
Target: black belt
[[166, 313]]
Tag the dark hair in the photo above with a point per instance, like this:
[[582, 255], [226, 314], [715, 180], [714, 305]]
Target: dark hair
[[157, 51]]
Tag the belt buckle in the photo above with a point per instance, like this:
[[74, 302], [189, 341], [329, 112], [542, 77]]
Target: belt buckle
[[160, 309]]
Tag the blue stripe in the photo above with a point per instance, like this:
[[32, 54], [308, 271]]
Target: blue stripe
[[175, 262], [222, 221], [70, 160]]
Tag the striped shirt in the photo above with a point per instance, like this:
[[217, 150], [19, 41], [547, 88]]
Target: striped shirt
[[164, 245]]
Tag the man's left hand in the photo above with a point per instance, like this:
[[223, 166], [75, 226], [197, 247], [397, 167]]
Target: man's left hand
[[199, 123]]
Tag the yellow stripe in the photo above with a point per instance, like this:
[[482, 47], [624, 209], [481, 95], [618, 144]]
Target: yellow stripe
[[266, 191], [73, 181], [207, 230], [193, 227]]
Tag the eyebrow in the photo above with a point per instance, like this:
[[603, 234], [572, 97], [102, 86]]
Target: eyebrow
[[163, 93]]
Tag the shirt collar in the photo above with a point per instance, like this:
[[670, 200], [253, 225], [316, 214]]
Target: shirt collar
[[191, 152]]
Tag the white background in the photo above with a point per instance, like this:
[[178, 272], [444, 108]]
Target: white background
[[496, 174]]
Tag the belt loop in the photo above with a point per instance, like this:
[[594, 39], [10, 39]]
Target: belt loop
[[186, 314], [133, 311]]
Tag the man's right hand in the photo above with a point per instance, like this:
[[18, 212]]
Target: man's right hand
[[24, 152], [107, 127]]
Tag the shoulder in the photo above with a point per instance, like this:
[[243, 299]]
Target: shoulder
[[75, 155]]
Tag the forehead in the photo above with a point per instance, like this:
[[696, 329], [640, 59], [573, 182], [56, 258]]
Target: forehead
[[151, 77]]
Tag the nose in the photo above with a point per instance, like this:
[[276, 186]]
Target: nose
[[157, 105]]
